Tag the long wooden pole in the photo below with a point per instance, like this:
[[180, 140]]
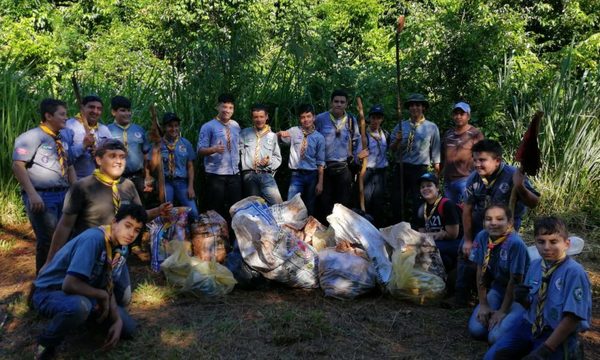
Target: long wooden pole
[[156, 161], [364, 143], [399, 28]]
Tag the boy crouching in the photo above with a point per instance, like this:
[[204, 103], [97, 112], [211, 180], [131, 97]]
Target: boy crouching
[[77, 284], [557, 293]]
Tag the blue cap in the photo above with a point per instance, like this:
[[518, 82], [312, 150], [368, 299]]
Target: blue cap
[[376, 109], [463, 106], [429, 177]]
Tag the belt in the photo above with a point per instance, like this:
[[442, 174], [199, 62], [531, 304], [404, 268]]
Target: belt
[[257, 171], [336, 164], [53, 189]]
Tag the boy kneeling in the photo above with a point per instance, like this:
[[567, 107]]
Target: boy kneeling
[[77, 284], [557, 293]]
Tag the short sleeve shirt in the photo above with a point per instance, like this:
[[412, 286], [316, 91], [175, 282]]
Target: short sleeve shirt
[[457, 154], [314, 155], [83, 161], [183, 152], [38, 150], [337, 144], [568, 291], [510, 257], [83, 257], [92, 202], [215, 133], [437, 222], [137, 145], [425, 149]]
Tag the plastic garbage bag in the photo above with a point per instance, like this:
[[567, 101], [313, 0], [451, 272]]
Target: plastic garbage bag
[[292, 213], [401, 237], [345, 274], [410, 283], [209, 236], [267, 248], [354, 228], [162, 231], [196, 276]]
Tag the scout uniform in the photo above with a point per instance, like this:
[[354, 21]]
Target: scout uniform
[[307, 154], [47, 161], [83, 160], [137, 145], [175, 157], [256, 179]]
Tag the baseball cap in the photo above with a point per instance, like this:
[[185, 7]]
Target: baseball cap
[[429, 177], [168, 117], [376, 109], [463, 106]]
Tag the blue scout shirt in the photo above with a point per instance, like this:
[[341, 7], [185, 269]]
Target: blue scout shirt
[[184, 152], [314, 155], [336, 145], [83, 257], [137, 145], [568, 291], [377, 150], [510, 257], [213, 133], [425, 149], [268, 147], [83, 161], [480, 196], [38, 150]]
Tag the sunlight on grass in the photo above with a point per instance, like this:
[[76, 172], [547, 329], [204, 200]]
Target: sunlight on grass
[[148, 293], [18, 308], [178, 338], [6, 245]]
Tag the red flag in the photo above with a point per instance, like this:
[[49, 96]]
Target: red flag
[[528, 153]]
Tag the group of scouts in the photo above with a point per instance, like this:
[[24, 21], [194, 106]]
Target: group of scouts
[[81, 183]]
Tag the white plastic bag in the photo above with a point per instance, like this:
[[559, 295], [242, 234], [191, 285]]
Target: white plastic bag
[[345, 275]]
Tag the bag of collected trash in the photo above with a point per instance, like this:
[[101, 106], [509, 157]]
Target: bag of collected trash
[[345, 274], [246, 277], [196, 276], [409, 283], [307, 232], [210, 235], [269, 249], [401, 237], [356, 229], [292, 212], [162, 231]]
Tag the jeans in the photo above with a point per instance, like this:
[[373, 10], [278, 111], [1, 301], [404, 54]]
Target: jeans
[[304, 183], [177, 188], [455, 190], [261, 184], [495, 296], [375, 194], [44, 223], [67, 312], [222, 191], [519, 342]]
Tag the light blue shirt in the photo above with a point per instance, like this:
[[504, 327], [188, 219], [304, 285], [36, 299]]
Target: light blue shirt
[[377, 151], [425, 149], [137, 145], [568, 292], [184, 152], [83, 161], [314, 155], [213, 133], [38, 150], [336, 145], [268, 147]]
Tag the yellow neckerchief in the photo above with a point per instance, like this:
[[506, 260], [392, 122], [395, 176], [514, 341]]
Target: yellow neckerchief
[[490, 247], [259, 136], [60, 150], [124, 128], [340, 126], [108, 181], [227, 132], [79, 118], [171, 148], [547, 271], [491, 180], [304, 144], [426, 216], [109, 263], [413, 129]]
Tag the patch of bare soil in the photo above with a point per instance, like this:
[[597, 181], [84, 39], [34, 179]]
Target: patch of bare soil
[[277, 323]]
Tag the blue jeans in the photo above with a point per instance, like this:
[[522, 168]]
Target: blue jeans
[[455, 190], [67, 312], [44, 223], [495, 296], [304, 182], [261, 184], [519, 342], [178, 188]]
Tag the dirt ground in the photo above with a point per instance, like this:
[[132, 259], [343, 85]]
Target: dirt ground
[[278, 323]]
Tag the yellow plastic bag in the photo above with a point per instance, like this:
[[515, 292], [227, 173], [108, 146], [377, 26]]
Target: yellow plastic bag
[[196, 276], [408, 283]]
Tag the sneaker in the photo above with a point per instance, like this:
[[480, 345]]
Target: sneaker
[[44, 352]]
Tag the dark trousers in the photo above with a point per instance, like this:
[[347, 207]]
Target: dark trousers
[[466, 274], [410, 177], [375, 194], [337, 188], [222, 191]]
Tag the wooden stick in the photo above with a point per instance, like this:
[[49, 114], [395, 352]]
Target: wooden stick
[[399, 28], [156, 160], [86, 125], [364, 142]]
